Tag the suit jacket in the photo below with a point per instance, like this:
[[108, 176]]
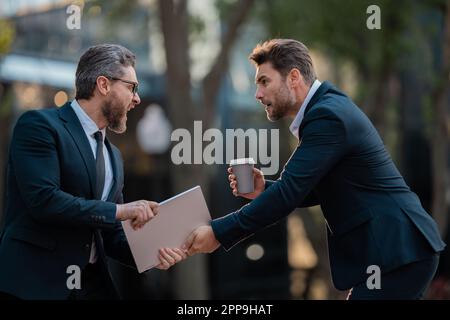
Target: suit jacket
[[50, 213], [373, 218]]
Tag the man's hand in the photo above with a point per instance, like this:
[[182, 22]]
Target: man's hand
[[139, 212], [169, 257], [201, 240], [258, 180]]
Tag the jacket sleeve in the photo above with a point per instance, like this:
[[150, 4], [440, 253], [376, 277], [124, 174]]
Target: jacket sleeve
[[323, 144], [37, 170], [116, 244], [310, 200]]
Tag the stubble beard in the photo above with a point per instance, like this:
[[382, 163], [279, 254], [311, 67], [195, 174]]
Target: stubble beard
[[281, 105]]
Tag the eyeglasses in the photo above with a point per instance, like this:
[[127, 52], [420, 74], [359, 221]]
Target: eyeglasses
[[135, 84]]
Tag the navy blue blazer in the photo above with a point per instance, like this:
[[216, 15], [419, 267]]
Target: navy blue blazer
[[373, 217], [50, 216]]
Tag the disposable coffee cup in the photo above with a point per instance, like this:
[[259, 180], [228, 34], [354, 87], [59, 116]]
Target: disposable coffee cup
[[243, 170]]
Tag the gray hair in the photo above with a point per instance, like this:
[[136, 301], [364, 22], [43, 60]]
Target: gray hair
[[100, 60]]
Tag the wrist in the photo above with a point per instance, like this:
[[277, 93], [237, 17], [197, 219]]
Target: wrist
[[119, 212]]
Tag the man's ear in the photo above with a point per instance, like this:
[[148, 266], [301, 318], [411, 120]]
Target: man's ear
[[103, 85], [295, 77]]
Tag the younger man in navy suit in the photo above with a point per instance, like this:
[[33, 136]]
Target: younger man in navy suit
[[341, 164]]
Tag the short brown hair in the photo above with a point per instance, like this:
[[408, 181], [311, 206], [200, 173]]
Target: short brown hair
[[284, 55]]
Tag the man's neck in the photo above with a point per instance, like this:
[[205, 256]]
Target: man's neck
[[300, 96], [93, 110]]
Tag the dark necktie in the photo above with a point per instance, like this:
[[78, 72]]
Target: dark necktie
[[100, 183], [99, 165]]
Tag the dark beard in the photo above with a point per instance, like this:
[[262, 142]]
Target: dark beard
[[114, 114]]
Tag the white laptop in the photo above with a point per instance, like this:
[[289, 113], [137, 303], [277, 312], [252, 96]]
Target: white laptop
[[176, 219]]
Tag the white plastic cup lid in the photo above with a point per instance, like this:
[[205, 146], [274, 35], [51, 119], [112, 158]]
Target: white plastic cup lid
[[235, 162]]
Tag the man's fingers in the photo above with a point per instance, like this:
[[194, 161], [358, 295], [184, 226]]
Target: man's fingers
[[154, 206], [143, 213], [174, 255], [143, 206], [188, 243], [167, 256], [171, 256], [192, 249], [191, 252], [148, 211], [165, 264], [149, 215], [180, 252], [230, 170], [142, 216], [233, 184], [195, 246], [136, 225]]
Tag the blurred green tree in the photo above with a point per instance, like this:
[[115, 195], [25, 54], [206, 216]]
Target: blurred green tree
[[6, 36]]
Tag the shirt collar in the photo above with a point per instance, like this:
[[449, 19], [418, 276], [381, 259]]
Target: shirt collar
[[89, 126], [295, 125]]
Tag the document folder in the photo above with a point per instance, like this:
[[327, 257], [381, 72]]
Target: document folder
[[176, 219]]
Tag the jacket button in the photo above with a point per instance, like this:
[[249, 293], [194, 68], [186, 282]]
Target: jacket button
[[87, 247]]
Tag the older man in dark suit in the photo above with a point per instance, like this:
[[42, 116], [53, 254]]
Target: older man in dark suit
[[64, 198]]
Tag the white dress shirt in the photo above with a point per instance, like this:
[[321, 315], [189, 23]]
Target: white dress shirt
[[90, 128], [295, 125]]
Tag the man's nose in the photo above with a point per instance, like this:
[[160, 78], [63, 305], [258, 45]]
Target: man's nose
[[258, 95], [136, 99]]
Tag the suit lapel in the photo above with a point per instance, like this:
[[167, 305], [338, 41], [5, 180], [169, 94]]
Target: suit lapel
[[324, 87], [75, 129]]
